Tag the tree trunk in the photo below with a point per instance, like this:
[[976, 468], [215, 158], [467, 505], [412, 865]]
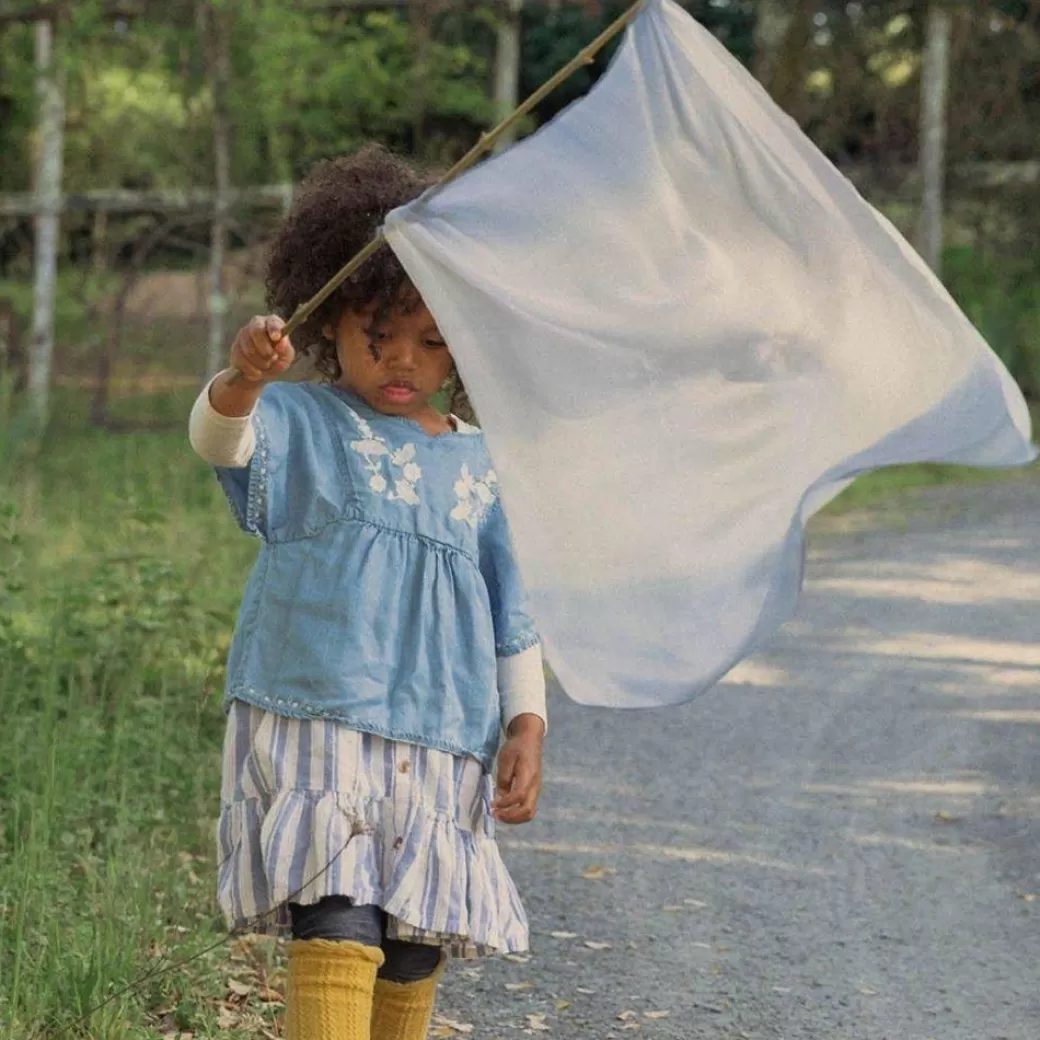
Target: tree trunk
[[99, 243], [507, 66], [215, 26], [12, 363], [106, 362], [422, 35], [46, 222], [191, 201], [783, 30], [935, 79]]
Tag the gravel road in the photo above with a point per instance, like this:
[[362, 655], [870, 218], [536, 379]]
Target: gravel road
[[837, 843]]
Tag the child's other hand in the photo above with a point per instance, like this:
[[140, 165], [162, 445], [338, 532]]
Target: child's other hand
[[260, 351], [520, 771]]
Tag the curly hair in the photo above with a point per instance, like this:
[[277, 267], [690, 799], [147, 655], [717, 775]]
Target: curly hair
[[337, 212]]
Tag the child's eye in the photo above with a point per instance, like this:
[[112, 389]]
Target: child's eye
[[435, 344]]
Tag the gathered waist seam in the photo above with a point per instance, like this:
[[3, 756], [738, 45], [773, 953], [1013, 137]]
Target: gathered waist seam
[[423, 539]]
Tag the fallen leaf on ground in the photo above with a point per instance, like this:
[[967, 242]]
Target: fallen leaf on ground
[[562, 1005], [240, 989], [586, 992], [452, 1027], [673, 909], [694, 902], [598, 945], [627, 1016], [538, 1024], [516, 987], [515, 958], [564, 935], [942, 816], [1028, 897], [656, 1014], [867, 991], [226, 1019], [597, 873]]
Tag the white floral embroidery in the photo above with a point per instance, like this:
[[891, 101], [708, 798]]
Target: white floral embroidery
[[475, 496], [405, 492], [370, 448], [381, 462]]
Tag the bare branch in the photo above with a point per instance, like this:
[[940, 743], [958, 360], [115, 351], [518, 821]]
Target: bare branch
[[199, 201]]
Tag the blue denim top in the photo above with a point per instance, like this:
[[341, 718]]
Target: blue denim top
[[386, 585]]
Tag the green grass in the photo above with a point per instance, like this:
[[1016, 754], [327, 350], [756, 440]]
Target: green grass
[[120, 575], [1001, 296], [885, 487]]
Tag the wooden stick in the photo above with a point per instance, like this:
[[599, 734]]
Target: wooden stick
[[584, 57]]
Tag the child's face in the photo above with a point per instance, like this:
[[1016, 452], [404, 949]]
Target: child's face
[[395, 366]]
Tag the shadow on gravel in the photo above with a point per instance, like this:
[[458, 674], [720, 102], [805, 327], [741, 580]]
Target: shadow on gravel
[[837, 843]]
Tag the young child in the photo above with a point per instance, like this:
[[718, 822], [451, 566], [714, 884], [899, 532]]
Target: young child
[[383, 643]]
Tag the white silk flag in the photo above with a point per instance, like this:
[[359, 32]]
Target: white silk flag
[[684, 332]]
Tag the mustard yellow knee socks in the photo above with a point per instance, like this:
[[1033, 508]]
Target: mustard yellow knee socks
[[402, 1010], [331, 985]]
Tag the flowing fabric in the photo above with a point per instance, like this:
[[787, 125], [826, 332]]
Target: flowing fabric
[[684, 332]]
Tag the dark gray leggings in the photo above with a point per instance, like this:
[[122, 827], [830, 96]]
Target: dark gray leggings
[[338, 919]]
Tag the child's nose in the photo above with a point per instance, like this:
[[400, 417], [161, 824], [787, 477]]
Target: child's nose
[[402, 352]]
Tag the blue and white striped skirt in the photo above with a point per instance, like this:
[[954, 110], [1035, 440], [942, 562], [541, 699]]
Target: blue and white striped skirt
[[311, 808]]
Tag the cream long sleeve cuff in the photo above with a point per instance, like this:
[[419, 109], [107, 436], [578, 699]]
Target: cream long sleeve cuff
[[521, 685], [220, 440]]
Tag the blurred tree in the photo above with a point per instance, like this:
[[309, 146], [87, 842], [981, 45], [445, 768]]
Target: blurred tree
[[552, 35], [215, 20], [309, 85], [507, 66], [422, 14], [935, 78], [47, 186], [17, 105], [783, 30], [309, 79]]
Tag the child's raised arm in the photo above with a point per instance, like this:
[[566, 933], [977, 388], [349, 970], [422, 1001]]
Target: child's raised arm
[[219, 429]]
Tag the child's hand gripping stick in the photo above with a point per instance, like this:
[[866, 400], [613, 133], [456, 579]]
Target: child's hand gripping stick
[[261, 351]]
